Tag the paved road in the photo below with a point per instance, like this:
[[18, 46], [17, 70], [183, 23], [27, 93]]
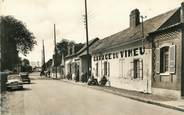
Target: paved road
[[52, 97]]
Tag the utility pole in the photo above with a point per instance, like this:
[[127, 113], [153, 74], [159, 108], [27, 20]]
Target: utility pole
[[55, 50], [142, 25], [86, 23], [43, 54], [142, 28]]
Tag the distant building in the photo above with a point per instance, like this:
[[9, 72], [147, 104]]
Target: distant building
[[59, 60], [76, 63]]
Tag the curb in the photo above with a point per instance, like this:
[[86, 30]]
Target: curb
[[143, 100], [128, 96]]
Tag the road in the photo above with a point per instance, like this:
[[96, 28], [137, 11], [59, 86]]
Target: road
[[55, 97]]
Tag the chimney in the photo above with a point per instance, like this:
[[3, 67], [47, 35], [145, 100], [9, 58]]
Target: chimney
[[182, 12], [134, 18]]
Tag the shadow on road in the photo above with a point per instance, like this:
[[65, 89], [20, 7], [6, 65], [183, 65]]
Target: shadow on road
[[24, 89], [29, 83]]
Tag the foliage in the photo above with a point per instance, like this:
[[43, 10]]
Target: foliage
[[26, 62], [62, 46], [78, 46], [16, 31], [49, 63], [15, 38], [25, 66]]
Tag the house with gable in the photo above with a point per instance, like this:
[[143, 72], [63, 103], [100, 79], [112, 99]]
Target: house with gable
[[145, 57], [76, 63]]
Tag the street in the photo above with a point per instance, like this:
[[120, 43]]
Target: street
[[56, 97]]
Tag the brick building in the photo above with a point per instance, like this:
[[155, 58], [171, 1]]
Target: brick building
[[167, 59]]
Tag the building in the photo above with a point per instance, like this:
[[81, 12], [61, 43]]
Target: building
[[145, 57], [124, 58], [167, 59], [70, 66], [76, 63]]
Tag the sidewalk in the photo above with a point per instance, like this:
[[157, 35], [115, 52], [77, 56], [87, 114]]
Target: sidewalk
[[147, 98]]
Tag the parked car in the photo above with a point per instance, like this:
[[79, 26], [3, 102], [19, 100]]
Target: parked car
[[8, 71], [14, 84], [24, 76]]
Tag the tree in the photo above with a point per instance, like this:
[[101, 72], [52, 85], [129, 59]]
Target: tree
[[49, 63], [15, 39], [62, 47], [25, 62], [16, 31]]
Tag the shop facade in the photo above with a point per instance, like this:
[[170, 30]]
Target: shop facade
[[145, 57], [127, 67]]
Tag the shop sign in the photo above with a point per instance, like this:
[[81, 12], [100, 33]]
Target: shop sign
[[121, 54]]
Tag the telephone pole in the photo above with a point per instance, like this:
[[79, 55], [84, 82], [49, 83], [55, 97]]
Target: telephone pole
[[142, 27], [86, 23], [142, 24], [43, 53], [55, 50]]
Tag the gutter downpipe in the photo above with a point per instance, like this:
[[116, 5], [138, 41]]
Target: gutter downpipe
[[182, 51]]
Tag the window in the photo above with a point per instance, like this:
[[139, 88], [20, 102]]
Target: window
[[105, 68], [164, 59], [137, 63], [121, 68], [108, 69], [96, 69]]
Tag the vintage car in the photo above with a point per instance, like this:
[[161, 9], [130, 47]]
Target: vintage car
[[14, 84], [24, 76]]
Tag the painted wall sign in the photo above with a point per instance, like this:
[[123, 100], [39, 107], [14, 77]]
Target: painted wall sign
[[121, 54]]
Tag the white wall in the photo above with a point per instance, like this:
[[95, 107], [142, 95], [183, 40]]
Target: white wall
[[67, 61], [125, 79]]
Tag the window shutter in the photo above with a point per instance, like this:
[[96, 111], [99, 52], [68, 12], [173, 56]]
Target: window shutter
[[97, 69], [121, 68], [108, 68], [172, 59], [157, 53], [141, 68], [132, 69]]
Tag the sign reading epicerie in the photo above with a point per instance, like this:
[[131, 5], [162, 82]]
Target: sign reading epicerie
[[121, 54]]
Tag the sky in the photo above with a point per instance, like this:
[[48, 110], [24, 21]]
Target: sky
[[106, 17]]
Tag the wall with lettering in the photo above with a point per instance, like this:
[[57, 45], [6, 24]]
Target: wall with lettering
[[120, 65], [120, 54]]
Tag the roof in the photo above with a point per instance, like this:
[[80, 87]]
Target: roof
[[91, 42], [133, 34], [91, 48], [83, 50]]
